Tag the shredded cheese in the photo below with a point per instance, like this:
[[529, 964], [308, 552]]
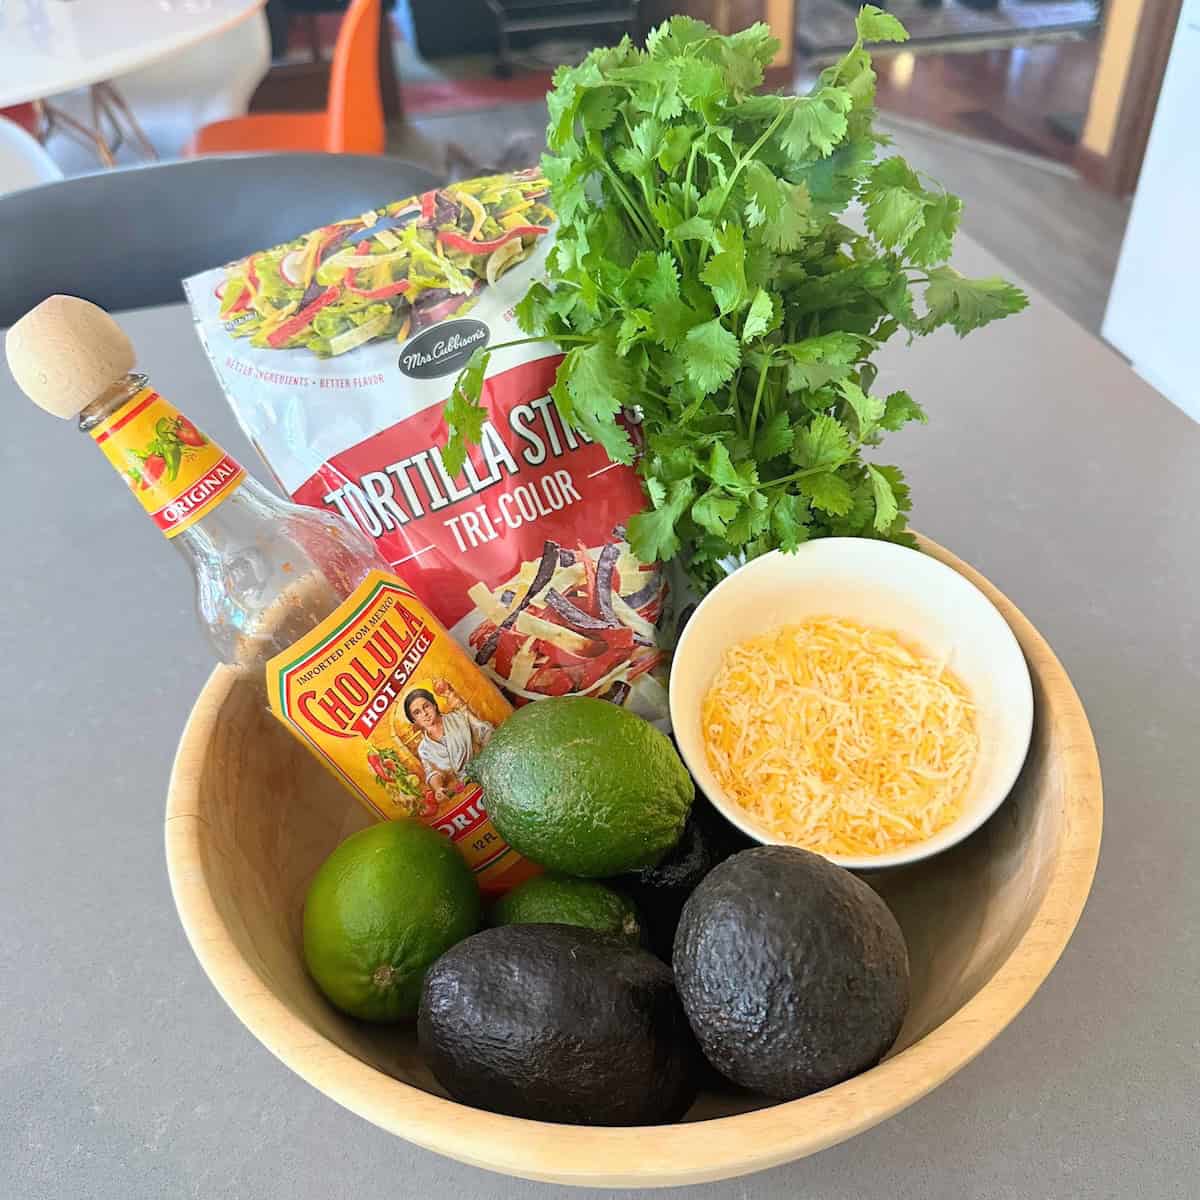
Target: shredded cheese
[[839, 738]]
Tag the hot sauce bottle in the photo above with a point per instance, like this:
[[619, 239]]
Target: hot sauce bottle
[[351, 660]]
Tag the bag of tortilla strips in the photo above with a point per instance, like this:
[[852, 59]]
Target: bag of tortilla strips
[[337, 351]]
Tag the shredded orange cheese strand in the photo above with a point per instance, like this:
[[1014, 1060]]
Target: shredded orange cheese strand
[[839, 738]]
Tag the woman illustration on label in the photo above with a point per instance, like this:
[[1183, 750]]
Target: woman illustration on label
[[451, 739]]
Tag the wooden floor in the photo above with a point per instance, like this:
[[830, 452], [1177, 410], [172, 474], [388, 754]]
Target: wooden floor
[[1003, 96], [1054, 232]]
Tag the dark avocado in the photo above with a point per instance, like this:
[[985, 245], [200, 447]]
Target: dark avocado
[[659, 892], [792, 971], [558, 1023]]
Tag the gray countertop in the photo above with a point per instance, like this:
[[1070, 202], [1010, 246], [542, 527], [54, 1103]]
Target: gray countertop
[[1046, 463]]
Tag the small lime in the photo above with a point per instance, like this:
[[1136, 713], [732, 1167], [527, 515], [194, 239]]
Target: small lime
[[557, 900]]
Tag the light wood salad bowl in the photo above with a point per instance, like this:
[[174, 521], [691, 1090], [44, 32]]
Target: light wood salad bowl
[[250, 816]]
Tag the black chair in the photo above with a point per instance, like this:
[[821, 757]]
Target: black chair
[[535, 17], [280, 12], [124, 239]]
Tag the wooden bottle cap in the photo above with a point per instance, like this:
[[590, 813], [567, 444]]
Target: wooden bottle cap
[[67, 352]]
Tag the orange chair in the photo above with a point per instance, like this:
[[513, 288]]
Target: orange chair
[[352, 122]]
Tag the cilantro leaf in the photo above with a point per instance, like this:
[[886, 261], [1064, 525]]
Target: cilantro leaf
[[817, 123], [566, 177], [663, 284], [834, 181], [900, 493], [643, 153], [719, 466], [674, 319], [696, 229], [856, 75], [761, 317], [778, 209], [598, 107], [652, 534], [895, 202], [673, 37], [713, 355], [634, 324], [886, 509], [562, 103], [532, 310], [775, 437], [875, 25], [868, 410], [817, 361], [762, 193], [745, 54], [899, 409], [825, 443], [674, 147], [599, 381], [967, 304], [749, 524], [714, 511], [790, 516], [725, 272], [828, 492], [932, 242], [700, 83], [463, 413]]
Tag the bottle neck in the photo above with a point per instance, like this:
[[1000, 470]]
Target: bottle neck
[[175, 471], [116, 397]]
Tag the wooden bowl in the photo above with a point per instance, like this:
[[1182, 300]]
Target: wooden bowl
[[250, 816]]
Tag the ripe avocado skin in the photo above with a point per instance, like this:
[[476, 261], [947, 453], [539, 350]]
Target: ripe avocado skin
[[660, 892], [792, 971], [558, 1023]]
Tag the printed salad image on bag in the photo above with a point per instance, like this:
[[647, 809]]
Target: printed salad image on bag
[[337, 350]]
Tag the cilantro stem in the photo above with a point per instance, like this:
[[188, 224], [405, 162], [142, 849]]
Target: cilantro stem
[[758, 395], [804, 474], [846, 59], [687, 179], [749, 156], [737, 170], [627, 202], [547, 337]]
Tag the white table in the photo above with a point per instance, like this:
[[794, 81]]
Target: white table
[[53, 46], [1046, 462]]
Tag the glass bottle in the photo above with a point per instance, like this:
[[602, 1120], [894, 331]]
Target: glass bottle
[[295, 597], [266, 570]]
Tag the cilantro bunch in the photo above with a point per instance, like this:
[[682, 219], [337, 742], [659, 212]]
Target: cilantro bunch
[[701, 275]]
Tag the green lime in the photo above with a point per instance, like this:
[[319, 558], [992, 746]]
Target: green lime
[[556, 900], [584, 787], [386, 903]]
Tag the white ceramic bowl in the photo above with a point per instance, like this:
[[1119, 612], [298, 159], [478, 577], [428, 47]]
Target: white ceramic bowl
[[889, 587]]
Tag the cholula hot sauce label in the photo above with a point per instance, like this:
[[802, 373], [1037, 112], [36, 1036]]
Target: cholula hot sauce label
[[392, 705], [176, 472]]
